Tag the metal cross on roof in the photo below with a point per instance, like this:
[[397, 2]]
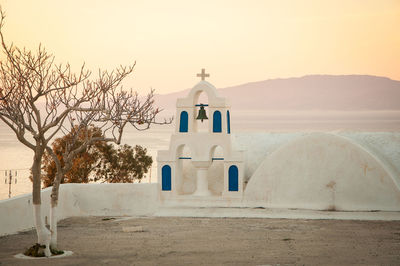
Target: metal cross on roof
[[203, 74]]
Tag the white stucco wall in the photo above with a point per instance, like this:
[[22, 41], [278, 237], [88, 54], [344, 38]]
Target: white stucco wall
[[81, 200], [325, 171], [380, 150], [384, 145], [258, 146]]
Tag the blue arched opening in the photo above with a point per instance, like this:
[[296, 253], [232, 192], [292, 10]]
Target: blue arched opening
[[228, 121], [166, 178], [183, 122], [217, 122], [233, 178]]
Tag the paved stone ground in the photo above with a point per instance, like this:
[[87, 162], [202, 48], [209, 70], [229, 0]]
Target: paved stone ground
[[216, 241]]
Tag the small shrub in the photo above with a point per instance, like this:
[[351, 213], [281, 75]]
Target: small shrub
[[55, 251], [36, 250]]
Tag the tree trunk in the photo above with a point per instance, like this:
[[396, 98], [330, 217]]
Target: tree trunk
[[53, 210], [43, 233], [53, 226]]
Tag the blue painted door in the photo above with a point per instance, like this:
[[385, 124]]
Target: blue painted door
[[217, 127], [233, 178], [183, 122], [228, 121], [166, 177]]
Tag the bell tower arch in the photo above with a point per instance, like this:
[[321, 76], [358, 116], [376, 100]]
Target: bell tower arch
[[216, 108]]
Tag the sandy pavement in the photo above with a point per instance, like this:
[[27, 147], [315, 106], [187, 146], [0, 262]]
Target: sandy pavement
[[216, 241]]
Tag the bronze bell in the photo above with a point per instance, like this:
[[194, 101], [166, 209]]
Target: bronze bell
[[202, 113]]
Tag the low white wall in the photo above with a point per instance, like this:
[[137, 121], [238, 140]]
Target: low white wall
[[108, 199], [16, 214]]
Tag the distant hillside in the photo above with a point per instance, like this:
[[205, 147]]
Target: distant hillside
[[322, 92]]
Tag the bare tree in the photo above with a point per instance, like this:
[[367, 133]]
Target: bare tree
[[45, 99], [118, 109]]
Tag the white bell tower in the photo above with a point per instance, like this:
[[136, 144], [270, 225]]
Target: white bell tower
[[202, 146]]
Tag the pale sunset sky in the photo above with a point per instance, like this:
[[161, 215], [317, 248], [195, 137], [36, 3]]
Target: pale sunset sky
[[236, 41]]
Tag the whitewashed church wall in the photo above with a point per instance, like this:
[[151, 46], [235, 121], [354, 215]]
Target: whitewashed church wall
[[258, 146], [328, 172], [383, 145]]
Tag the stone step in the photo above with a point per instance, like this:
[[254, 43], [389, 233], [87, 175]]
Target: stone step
[[201, 201]]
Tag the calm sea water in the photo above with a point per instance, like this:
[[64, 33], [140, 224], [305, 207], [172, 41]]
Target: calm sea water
[[15, 156]]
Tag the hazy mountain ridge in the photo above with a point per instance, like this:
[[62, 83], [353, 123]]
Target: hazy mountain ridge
[[321, 92]]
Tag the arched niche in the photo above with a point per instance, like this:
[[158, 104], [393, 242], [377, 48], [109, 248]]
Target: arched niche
[[183, 122], [215, 173], [217, 122], [166, 178], [233, 178], [228, 122], [185, 171]]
